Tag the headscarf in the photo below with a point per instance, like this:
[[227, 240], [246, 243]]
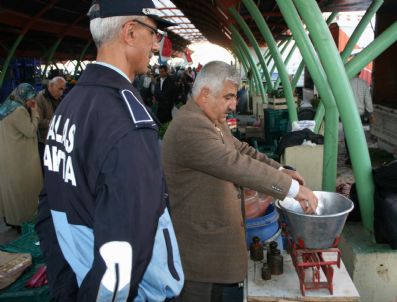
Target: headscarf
[[17, 98]]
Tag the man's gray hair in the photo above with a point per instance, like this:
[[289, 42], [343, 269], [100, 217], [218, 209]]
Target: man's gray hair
[[213, 76], [57, 79], [104, 30]]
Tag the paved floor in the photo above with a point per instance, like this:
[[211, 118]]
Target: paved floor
[[7, 233]]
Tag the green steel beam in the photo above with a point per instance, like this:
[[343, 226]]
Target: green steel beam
[[266, 33], [317, 72], [269, 55], [287, 59], [20, 37], [298, 74], [319, 116], [358, 31], [240, 58], [253, 87], [301, 67], [340, 85], [382, 42], [78, 64], [288, 42], [254, 44], [252, 83], [245, 50], [320, 112], [52, 52]]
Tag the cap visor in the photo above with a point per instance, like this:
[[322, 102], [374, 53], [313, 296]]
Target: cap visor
[[161, 23]]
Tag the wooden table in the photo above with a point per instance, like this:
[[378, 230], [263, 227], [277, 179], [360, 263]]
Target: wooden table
[[285, 287]]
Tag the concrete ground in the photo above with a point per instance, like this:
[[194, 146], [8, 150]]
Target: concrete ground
[[7, 234]]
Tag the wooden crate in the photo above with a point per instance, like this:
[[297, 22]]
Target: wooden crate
[[279, 103]]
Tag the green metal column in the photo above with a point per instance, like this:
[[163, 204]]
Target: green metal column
[[20, 37], [340, 85], [82, 56], [252, 85], [255, 45], [250, 74], [266, 33], [247, 53], [242, 62], [320, 112], [302, 64], [358, 31], [382, 42], [287, 43], [320, 79], [51, 53], [297, 74], [287, 59], [269, 55]]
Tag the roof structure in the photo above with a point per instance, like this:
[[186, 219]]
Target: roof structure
[[62, 25]]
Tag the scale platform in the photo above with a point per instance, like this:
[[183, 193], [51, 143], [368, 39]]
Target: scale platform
[[286, 287]]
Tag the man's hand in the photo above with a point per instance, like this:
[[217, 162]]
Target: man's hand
[[307, 200], [294, 175]]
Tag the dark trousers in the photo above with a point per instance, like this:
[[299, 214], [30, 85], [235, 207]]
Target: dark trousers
[[206, 292], [41, 155]]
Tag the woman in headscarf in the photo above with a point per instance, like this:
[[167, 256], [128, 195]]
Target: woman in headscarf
[[20, 173]]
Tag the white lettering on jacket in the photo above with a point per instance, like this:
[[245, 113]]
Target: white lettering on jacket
[[58, 160]]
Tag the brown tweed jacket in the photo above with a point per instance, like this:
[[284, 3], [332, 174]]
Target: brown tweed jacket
[[204, 166]]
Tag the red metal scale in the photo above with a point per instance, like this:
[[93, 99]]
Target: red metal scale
[[314, 259]]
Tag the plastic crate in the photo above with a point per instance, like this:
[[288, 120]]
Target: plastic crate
[[17, 292], [28, 227], [26, 243], [276, 123]]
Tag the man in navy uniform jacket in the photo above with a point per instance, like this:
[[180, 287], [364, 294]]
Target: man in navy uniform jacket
[[103, 221]]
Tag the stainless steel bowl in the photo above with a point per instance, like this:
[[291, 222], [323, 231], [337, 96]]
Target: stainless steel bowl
[[317, 231]]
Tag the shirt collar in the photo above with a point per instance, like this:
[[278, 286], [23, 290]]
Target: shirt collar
[[119, 71]]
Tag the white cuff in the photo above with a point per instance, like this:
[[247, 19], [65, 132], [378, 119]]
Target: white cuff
[[280, 168], [293, 189]]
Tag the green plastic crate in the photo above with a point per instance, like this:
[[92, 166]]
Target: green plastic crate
[[17, 292], [26, 243]]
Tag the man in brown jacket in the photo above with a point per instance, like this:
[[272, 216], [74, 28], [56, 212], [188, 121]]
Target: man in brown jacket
[[204, 166], [47, 101]]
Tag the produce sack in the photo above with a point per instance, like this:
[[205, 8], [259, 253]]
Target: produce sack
[[12, 265]]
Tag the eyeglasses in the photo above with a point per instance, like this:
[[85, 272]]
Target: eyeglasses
[[155, 31]]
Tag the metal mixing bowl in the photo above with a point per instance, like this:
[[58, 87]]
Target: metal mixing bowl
[[317, 231]]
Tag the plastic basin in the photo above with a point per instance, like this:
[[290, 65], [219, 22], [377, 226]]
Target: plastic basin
[[264, 226]]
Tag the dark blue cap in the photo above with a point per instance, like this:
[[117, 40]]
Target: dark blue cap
[[111, 8]]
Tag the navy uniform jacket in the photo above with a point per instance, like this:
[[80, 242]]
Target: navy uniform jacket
[[104, 191]]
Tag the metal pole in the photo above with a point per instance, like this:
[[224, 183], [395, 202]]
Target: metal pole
[[269, 55], [319, 77], [266, 33], [287, 59], [247, 53], [288, 41], [302, 64], [250, 74], [252, 82], [340, 85], [298, 74], [20, 37], [254, 44], [81, 57], [382, 42], [358, 31], [251, 86]]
